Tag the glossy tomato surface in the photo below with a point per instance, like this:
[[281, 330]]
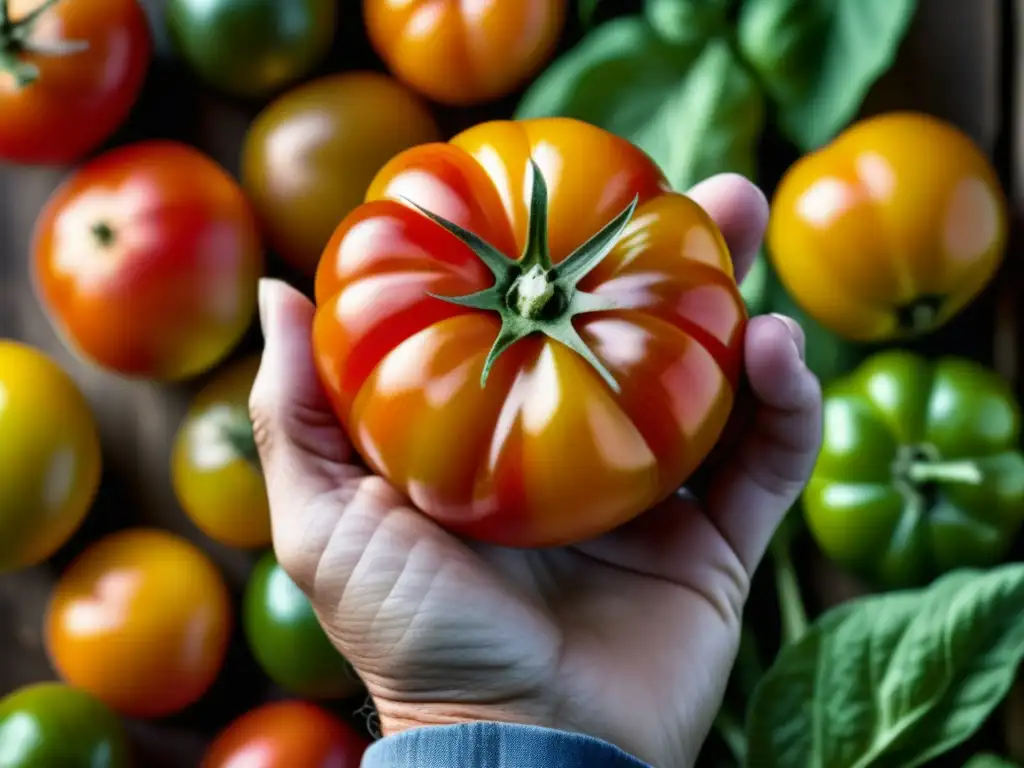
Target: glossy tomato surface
[[79, 98], [545, 452], [252, 48], [287, 640], [50, 725], [286, 734], [146, 260], [141, 620], [310, 156], [462, 53], [891, 229], [214, 467], [49, 456]]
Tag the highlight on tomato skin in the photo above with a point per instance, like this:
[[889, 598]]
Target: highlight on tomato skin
[[525, 384], [286, 734], [141, 620], [890, 230], [146, 261], [462, 57]]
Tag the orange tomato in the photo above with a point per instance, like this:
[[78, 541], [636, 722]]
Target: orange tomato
[[141, 620], [464, 53], [214, 467], [146, 260], [74, 99], [286, 734], [628, 373], [309, 157], [49, 456], [890, 230]]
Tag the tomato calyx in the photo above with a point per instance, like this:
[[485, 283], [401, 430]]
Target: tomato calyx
[[16, 40], [920, 315], [532, 295], [918, 469]]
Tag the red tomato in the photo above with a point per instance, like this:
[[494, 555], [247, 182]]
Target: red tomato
[[286, 734], [69, 101], [464, 53], [592, 417], [141, 620], [147, 259]]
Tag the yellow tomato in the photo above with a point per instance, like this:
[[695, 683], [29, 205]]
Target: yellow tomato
[[49, 456], [214, 467], [891, 229], [141, 620]]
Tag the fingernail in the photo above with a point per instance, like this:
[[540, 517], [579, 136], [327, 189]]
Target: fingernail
[[263, 289], [795, 332]]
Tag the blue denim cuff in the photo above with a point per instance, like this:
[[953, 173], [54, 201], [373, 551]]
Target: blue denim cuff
[[494, 745]]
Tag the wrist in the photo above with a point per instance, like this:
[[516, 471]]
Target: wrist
[[397, 717]]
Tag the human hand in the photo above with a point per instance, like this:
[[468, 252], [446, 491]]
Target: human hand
[[629, 637]]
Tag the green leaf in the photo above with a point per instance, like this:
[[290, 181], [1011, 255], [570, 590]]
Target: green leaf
[[988, 760], [694, 109], [688, 22], [819, 58], [586, 10], [895, 679]]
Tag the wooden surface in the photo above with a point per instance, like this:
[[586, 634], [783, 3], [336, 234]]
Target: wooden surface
[[949, 66]]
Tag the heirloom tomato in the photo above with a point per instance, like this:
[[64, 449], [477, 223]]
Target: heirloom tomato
[[919, 472], [49, 456], [215, 470], [141, 620], [70, 71], [251, 48], [309, 156], [287, 640], [146, 260], [524, 383], [286, 734], [50, 725], [460, 53], [890, 230]]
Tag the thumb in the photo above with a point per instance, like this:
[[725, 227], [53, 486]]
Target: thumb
[[303, 450]]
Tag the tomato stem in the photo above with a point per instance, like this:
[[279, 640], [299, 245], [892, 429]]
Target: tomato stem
[[966, 472], [16, 39], [530, 294], [5, 17], [239, 435]]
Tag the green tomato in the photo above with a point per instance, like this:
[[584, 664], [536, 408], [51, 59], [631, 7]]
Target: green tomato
[[287, 640], [51, 725], [252, 48], [920, 470]]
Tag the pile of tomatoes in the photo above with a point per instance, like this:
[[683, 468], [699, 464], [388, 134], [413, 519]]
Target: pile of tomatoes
[[146, 261]]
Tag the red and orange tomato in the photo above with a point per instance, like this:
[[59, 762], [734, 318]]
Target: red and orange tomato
[[891, 229], [286, 734], [461, 53], [71, 100], [146, 260], [546, 452], [50, 457], [141, 620]]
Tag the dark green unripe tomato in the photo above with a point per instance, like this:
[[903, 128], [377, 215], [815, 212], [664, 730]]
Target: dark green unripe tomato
[[252, 48], [286, 639], [52, 725]]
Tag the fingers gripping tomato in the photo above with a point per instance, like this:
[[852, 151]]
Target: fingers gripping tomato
[[541, 400], [890, 230], [919, 472], [461, 53], [49, 456], [147, 259], [141, 620], [70, 71], [214, 466]]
